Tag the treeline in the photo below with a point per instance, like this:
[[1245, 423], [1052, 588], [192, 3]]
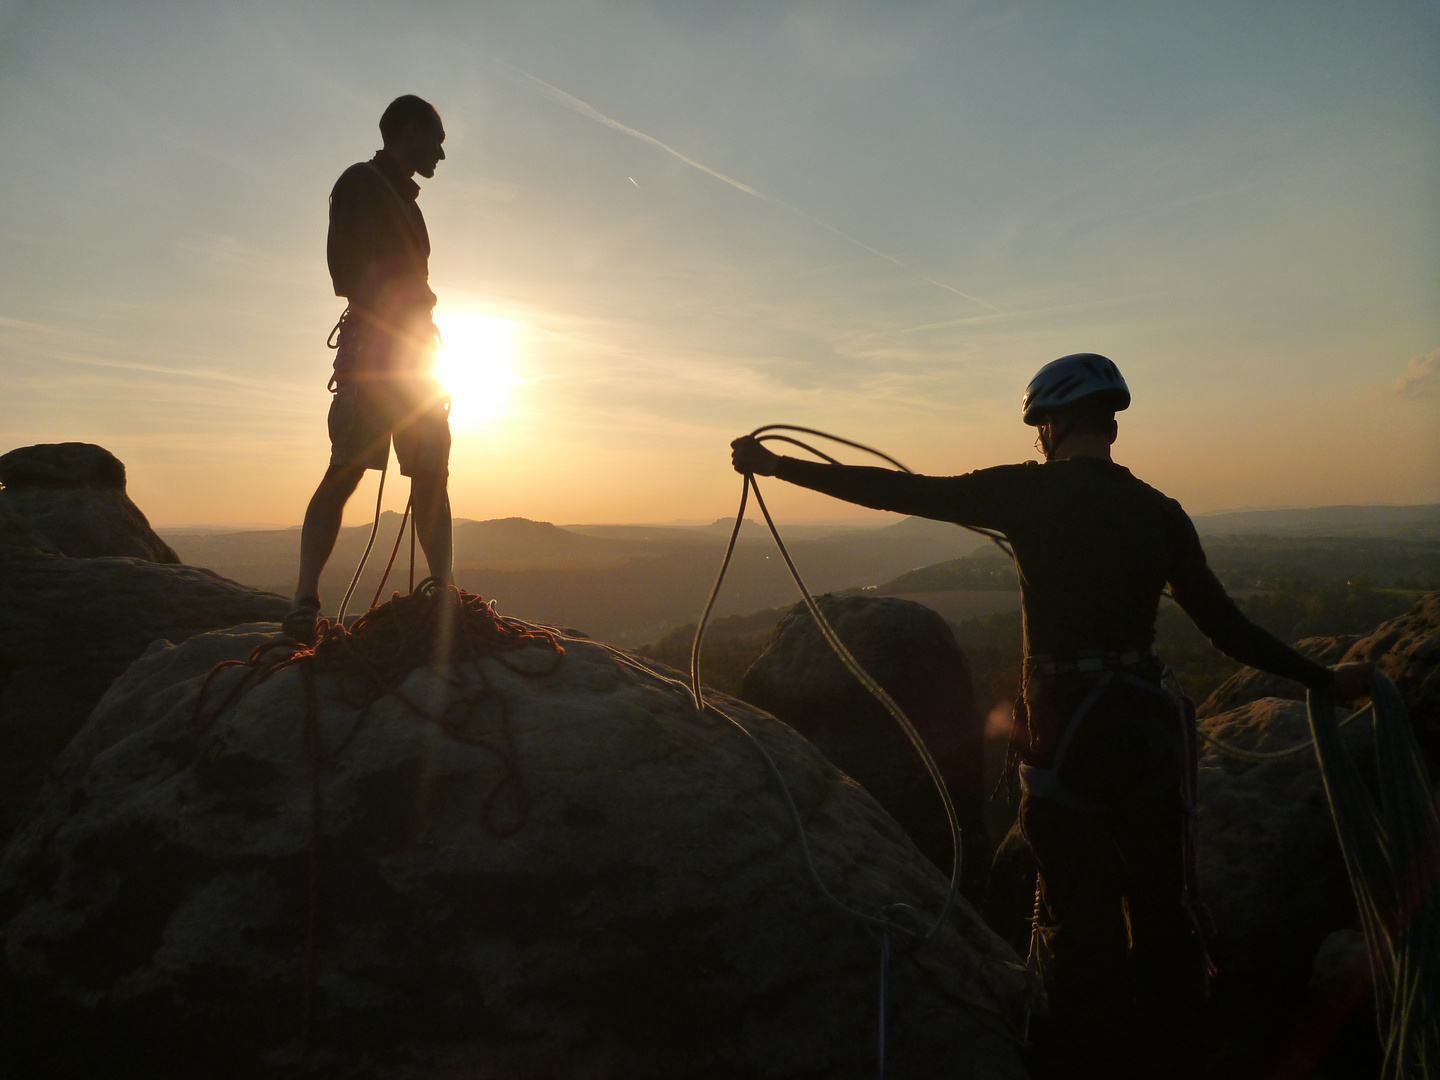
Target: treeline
[[1296, 589], [1243, 563]]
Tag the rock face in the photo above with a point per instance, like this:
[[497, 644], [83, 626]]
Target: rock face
[[911, 651], [1408, 650], [1271, 874], [68, 626], [644, 911], [73, 495], [1250, 684]]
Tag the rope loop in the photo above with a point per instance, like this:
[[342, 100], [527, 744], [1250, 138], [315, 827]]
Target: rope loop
[[885, 920]]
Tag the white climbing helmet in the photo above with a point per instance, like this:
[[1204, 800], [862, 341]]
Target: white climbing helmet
[[1084, 376]]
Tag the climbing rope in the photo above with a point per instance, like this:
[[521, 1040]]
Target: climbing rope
[[885, 920], [437, 627], [409, 503], [1229, 749], [1391, 848], [375, 528]]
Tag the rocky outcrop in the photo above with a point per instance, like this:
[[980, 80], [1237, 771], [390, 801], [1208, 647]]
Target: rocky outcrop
[[1408, 650], [73, 496], [643, 911], [68, 626], [1250, 684], [1271, 873], [911, 651]]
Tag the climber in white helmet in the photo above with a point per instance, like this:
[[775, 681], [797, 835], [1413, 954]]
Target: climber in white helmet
[[1101, 747]]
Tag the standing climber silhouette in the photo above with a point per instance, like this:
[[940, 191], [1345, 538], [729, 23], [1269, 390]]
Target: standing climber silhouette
[[1101, 742], [384, 382]]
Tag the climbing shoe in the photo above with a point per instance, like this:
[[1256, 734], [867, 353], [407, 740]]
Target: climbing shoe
[[300, 624]]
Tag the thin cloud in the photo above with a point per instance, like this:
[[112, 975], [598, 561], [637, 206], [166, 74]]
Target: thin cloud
[[1423, 378], [569, 101]]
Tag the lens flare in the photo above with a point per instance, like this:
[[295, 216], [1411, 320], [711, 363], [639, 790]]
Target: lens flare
[[476, 365]]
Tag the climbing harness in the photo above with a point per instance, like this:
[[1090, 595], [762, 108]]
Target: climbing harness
[[885, 921], [1106, 669]]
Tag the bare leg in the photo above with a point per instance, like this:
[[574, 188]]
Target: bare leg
[[322, 525], [431, 502]]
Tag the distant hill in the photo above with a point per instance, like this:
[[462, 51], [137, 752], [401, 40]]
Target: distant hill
[[1398, 521], [624, 583]]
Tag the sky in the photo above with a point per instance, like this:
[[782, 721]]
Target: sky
[[660, 225]]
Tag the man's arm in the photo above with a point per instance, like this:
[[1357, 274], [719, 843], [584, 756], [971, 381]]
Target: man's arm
[[1199, 593], [972, 499]]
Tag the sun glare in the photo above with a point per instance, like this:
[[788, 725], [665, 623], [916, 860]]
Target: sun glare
[[476, 365]]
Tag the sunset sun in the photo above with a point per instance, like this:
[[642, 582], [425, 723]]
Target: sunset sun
[[476, 365]]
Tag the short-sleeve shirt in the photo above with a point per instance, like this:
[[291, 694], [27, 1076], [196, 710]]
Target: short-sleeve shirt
[[378, 242], [378, 250]]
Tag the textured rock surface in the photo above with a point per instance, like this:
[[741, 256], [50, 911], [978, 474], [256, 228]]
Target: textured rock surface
[[650, 918], [70, 626], [1250, 684], [1408, 650], [911, 651], [73, 495], [1271, 873]]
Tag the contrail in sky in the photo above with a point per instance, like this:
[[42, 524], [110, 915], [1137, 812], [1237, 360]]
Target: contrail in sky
[[554, 93]]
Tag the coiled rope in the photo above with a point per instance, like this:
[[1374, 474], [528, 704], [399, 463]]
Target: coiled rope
[[1391, 849], [884, 920], [1229, 749]]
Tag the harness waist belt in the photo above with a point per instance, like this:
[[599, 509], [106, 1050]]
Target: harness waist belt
[[1087, 663]]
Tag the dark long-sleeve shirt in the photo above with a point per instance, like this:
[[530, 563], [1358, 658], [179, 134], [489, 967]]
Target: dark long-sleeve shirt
[[1093, 545]]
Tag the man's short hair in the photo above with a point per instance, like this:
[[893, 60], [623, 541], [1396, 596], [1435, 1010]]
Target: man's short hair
[[405, 110]]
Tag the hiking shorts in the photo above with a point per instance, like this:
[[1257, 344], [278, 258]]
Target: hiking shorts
[[366, 416]]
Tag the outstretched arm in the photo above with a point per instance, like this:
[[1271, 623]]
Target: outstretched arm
[[978, 498]]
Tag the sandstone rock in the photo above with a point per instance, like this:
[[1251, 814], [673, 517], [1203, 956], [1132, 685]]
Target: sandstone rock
[[73, 495], [1271, 874], [649, 917], [911, 651], [1250, 684], [1408, 650], [62, 465], [70, 626]]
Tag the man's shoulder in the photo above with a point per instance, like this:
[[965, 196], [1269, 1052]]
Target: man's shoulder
[[1164, 504], [359, 179]]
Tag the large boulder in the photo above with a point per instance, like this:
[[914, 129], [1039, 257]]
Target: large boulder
[[1251, 684], [1271, 873], [559, 869], [70, 626], [1407, 649], [911, 652], [73, 495]]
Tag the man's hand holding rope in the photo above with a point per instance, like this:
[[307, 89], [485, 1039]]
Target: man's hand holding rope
[[748, 455]]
